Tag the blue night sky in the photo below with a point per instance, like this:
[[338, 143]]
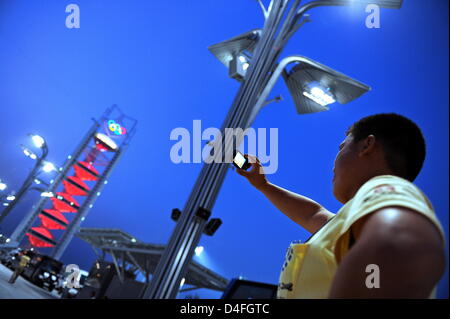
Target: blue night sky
[[151, 59]]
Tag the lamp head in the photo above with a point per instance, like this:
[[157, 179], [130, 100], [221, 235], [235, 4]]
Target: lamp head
[[314, 86], [236, 52], [38, 140]]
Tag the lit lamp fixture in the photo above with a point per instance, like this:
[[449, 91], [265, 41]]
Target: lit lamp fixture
[[38, 141], [3, 186], [47, 194], [238, 67], [199, 250], [245, 64], [314, 86], [48, 167], [28, 152], [319, 94], [236, 52], [9, 198]]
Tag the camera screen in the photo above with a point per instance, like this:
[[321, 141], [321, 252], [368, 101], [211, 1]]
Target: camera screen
[[239, 159]]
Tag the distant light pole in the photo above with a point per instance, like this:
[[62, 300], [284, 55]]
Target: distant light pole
[[41, 164]]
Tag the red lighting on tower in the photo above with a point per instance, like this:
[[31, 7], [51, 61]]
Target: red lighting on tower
[[78, 184], [40, 237], [65, 203], [75, 186], [53, 219], [86, 171]]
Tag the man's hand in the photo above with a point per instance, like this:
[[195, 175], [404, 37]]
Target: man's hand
[[256, 175]]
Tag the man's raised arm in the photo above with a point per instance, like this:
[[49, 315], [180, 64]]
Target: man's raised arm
[[302, 210]]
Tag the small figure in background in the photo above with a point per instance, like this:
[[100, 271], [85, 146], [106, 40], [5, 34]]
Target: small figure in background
[[24, 261]]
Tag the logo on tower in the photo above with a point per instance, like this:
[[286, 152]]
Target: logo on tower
[[115, 128]]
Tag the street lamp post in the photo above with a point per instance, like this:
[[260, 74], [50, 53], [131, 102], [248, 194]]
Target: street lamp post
[[40, 164], [251, 59]]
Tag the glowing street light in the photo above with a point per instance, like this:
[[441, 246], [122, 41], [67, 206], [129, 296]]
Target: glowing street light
[[38, 181], [3, 186], [48, 167], [38, 140], [314, 86], [244, 62], [8, 198], [47, 194], [319, 94], [199, 250], [235, 53], [29, 153]]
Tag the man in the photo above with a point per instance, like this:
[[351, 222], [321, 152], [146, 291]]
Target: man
[[23, 262], [385, 242]]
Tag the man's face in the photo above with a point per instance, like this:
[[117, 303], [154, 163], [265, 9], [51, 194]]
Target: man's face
[[345, 169]]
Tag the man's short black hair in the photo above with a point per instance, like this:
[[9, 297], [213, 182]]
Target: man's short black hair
[[401, 139]]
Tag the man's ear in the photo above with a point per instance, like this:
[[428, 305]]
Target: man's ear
[[367, 145]]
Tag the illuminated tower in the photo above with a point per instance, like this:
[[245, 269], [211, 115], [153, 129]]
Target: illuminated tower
[[53, 222]]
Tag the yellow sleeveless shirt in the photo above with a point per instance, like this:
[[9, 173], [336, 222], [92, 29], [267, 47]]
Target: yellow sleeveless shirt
[[309, 268]]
